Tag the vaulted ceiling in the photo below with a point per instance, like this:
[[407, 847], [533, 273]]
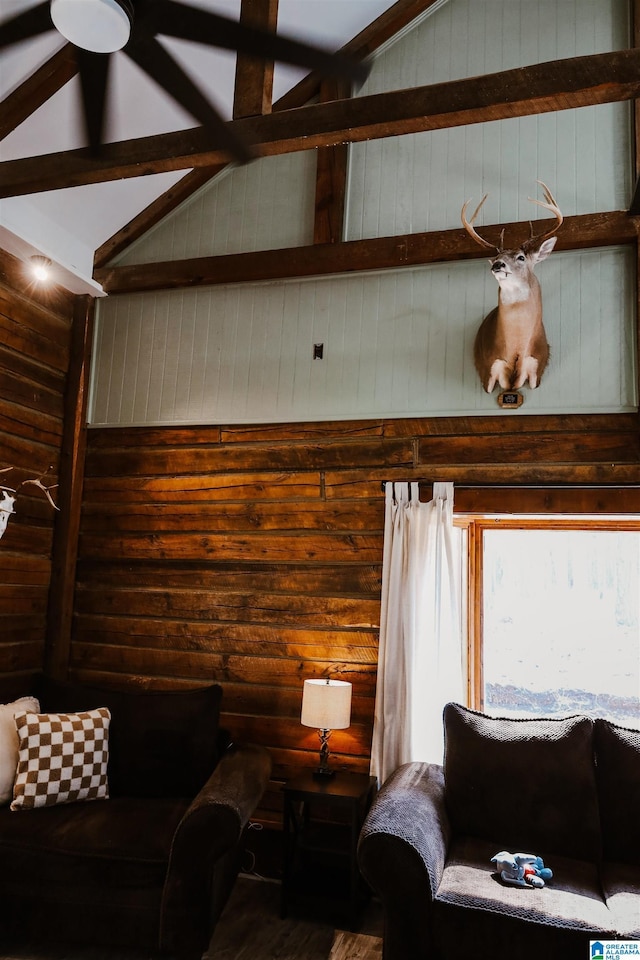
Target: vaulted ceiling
[[60, 200]]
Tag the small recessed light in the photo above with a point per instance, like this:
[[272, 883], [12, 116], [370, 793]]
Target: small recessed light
[[40, 268]]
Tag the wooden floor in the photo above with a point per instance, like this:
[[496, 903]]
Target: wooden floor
[[250, 929], [355, 946]]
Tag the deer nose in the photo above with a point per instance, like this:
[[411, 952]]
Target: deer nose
[[498, 265]]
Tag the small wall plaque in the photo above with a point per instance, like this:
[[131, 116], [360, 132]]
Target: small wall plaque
[[510, 399]]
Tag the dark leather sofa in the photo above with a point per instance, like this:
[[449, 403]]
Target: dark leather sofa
[[567, 790], [152, 866]]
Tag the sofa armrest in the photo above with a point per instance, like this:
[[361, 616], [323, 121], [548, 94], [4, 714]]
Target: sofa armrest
[[235, 786], [401, 852], [204, 854]]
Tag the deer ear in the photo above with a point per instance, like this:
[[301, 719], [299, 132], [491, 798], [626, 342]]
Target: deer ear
[[545, 249]]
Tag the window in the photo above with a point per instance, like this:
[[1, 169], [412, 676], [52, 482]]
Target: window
[[554, 616]]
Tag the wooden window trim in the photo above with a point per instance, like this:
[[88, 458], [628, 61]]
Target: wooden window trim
[[474, 526]]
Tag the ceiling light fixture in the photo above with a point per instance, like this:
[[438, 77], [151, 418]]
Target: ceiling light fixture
[[40, 268], [101, 26]]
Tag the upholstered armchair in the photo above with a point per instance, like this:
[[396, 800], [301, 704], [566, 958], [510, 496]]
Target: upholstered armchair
[[565, 789]]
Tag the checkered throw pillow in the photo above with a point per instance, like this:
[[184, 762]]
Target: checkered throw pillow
[[62, 758]]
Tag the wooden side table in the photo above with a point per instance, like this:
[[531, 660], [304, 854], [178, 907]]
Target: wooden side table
[[320, 865]]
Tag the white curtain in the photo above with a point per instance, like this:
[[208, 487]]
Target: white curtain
[[420, 662]]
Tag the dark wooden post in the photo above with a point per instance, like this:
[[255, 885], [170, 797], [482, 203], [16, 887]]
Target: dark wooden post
[[331, 176], [65, 540], [254, 77]]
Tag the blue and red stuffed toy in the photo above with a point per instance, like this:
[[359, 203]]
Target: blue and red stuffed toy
[[521, 869]]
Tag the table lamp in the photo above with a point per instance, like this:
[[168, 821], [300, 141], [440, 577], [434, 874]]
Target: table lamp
[[326, 705]]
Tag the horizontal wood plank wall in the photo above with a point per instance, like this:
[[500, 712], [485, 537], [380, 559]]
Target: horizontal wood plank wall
[[252, 556], [34, 356]]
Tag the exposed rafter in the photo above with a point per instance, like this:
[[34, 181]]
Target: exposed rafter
[[155, 212], [253, 92], [331, 181], [254, 78], [37, 89], [542, 88], [588, 230], [396, 18], [386, 26]]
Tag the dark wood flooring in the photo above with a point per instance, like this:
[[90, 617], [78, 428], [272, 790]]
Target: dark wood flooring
[[355, 946], [251, 929]]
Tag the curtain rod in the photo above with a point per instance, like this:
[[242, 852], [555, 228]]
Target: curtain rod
[[524, 486]]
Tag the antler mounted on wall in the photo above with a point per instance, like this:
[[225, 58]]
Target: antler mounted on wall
[[511, 345], [9, 495]]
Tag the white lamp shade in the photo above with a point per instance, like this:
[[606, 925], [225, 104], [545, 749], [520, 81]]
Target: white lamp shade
[[326, 705]]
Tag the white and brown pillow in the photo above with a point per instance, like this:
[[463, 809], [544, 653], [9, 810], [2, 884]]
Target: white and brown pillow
[[62, 758], [9, 743]]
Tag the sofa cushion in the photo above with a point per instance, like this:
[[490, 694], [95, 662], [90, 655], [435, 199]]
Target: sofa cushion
[[88, 872], [572, 899], [89, 850], [162, 743], [523, 784], [474, 915], [621, 886], [618, 778], [9, 743], [62, 758]]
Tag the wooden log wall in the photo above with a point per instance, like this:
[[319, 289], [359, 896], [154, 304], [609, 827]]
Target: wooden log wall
[[252, 556], [34, 357]]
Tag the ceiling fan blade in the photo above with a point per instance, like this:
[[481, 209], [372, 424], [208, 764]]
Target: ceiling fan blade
[[31, 23], [94, 70], [158, 63], [202, 26]]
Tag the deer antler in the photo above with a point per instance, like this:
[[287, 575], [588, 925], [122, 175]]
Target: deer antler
[[553, 207], [468, 225], [37, 482], [9, 495]]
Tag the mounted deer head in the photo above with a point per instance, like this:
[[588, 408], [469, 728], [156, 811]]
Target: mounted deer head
[[511, 345]]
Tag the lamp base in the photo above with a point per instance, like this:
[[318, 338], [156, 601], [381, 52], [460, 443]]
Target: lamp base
[[323, 773]]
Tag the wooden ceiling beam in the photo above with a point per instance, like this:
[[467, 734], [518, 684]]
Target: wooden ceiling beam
[[541, 88], [396, 18], [392, 21], [253, 91], [410, 250], [152, 214], [331, 179], [37, 89]]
